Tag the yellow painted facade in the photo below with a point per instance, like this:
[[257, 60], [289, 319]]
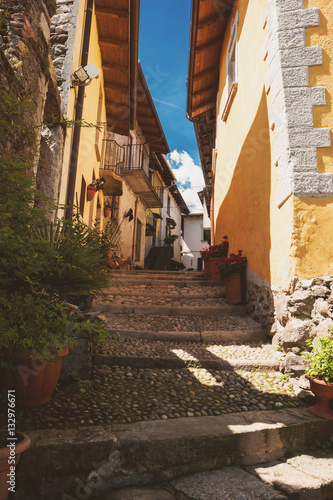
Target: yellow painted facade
[[90, 139], [294, 239]]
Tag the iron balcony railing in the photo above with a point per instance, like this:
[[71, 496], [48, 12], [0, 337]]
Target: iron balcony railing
[[114, 156]]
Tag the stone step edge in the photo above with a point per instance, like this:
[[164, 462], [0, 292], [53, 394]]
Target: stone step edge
[[152, 452], [159, 310], [236, 335], [167, 295], [175, 283], [145, 362]]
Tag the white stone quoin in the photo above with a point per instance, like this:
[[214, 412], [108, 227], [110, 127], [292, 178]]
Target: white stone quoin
[[291, 114]]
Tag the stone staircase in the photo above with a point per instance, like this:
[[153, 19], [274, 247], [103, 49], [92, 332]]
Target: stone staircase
[[189, 404], [174, 305]]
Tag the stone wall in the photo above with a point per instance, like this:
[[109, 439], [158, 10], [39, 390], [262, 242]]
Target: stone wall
[[293, 317], [25, 44], [63, 29]]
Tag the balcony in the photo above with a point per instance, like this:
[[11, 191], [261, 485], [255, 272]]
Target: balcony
[[114, 160], [132, 163]]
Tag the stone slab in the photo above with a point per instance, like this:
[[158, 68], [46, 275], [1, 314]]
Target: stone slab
[[317, 467], [228, 484], [155, 451], [290, 481]]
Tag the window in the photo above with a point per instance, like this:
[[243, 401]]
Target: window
[[231, 66], [168, 205]]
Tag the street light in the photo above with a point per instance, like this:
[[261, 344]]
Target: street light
[[83, 75]]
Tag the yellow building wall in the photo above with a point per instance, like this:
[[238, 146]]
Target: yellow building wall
[[295, 239], [87, 159], [314, 216], [245, 208]]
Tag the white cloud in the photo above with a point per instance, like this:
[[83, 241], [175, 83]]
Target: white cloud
[[189, 178]]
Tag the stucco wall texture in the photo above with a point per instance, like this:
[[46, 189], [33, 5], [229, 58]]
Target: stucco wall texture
[[295, 237]]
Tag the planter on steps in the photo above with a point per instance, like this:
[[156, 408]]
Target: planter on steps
[[33, 381], [214, 273], [324, 393], [233, 288], [206, 268]]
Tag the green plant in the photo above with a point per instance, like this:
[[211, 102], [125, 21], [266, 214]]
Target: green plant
[[233, 264], [321, 358], [98, 183], [74, 258], [169, 240]]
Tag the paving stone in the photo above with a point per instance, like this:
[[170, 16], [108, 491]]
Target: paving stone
[[293, 483], [230, 483]]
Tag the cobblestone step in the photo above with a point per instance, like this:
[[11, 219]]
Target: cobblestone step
[[106, 307], [138, 353], [200, 458]]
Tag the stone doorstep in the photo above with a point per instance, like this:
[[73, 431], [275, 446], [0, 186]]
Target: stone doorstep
[[152, 452], [144, 362], [170, 310], [273, 481], [314, 481], [214, 336]]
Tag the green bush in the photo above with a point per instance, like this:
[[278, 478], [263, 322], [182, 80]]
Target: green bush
[[321, 358]]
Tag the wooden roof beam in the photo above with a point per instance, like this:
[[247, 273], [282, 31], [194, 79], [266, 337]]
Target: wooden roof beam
[[115, 67], [210, 102], [105, 40], [108, 11], [203, 90], [119, 88], [208, 45], [206, 72]]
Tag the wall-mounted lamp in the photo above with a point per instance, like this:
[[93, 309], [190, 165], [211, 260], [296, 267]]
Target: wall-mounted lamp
[[129, 214], [83, 75]]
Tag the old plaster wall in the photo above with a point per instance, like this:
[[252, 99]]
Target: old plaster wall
[[26, 47]]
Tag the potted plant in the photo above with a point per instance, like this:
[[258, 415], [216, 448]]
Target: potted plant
[[10, 453], [107, 208], [35, 333], [216, 252], [230, 269], [320, 374], [204, 256], [96, 185]]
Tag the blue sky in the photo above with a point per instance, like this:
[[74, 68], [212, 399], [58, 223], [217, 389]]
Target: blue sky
[[163, 52]]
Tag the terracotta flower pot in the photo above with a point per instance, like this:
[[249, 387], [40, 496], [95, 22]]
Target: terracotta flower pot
[[323, 392], [107, 211], [233, 288], [91, 191], [23, 442], [214, 273], [206, 268], [33, 381]]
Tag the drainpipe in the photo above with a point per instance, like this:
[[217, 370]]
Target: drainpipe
[[78, 114], [134, 55], [135, 227]]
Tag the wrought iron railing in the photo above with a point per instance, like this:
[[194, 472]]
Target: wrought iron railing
[[137, 158], [159, 191], [114, 156]]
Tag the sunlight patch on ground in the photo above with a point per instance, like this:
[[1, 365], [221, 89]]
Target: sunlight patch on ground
[[205, 377]]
